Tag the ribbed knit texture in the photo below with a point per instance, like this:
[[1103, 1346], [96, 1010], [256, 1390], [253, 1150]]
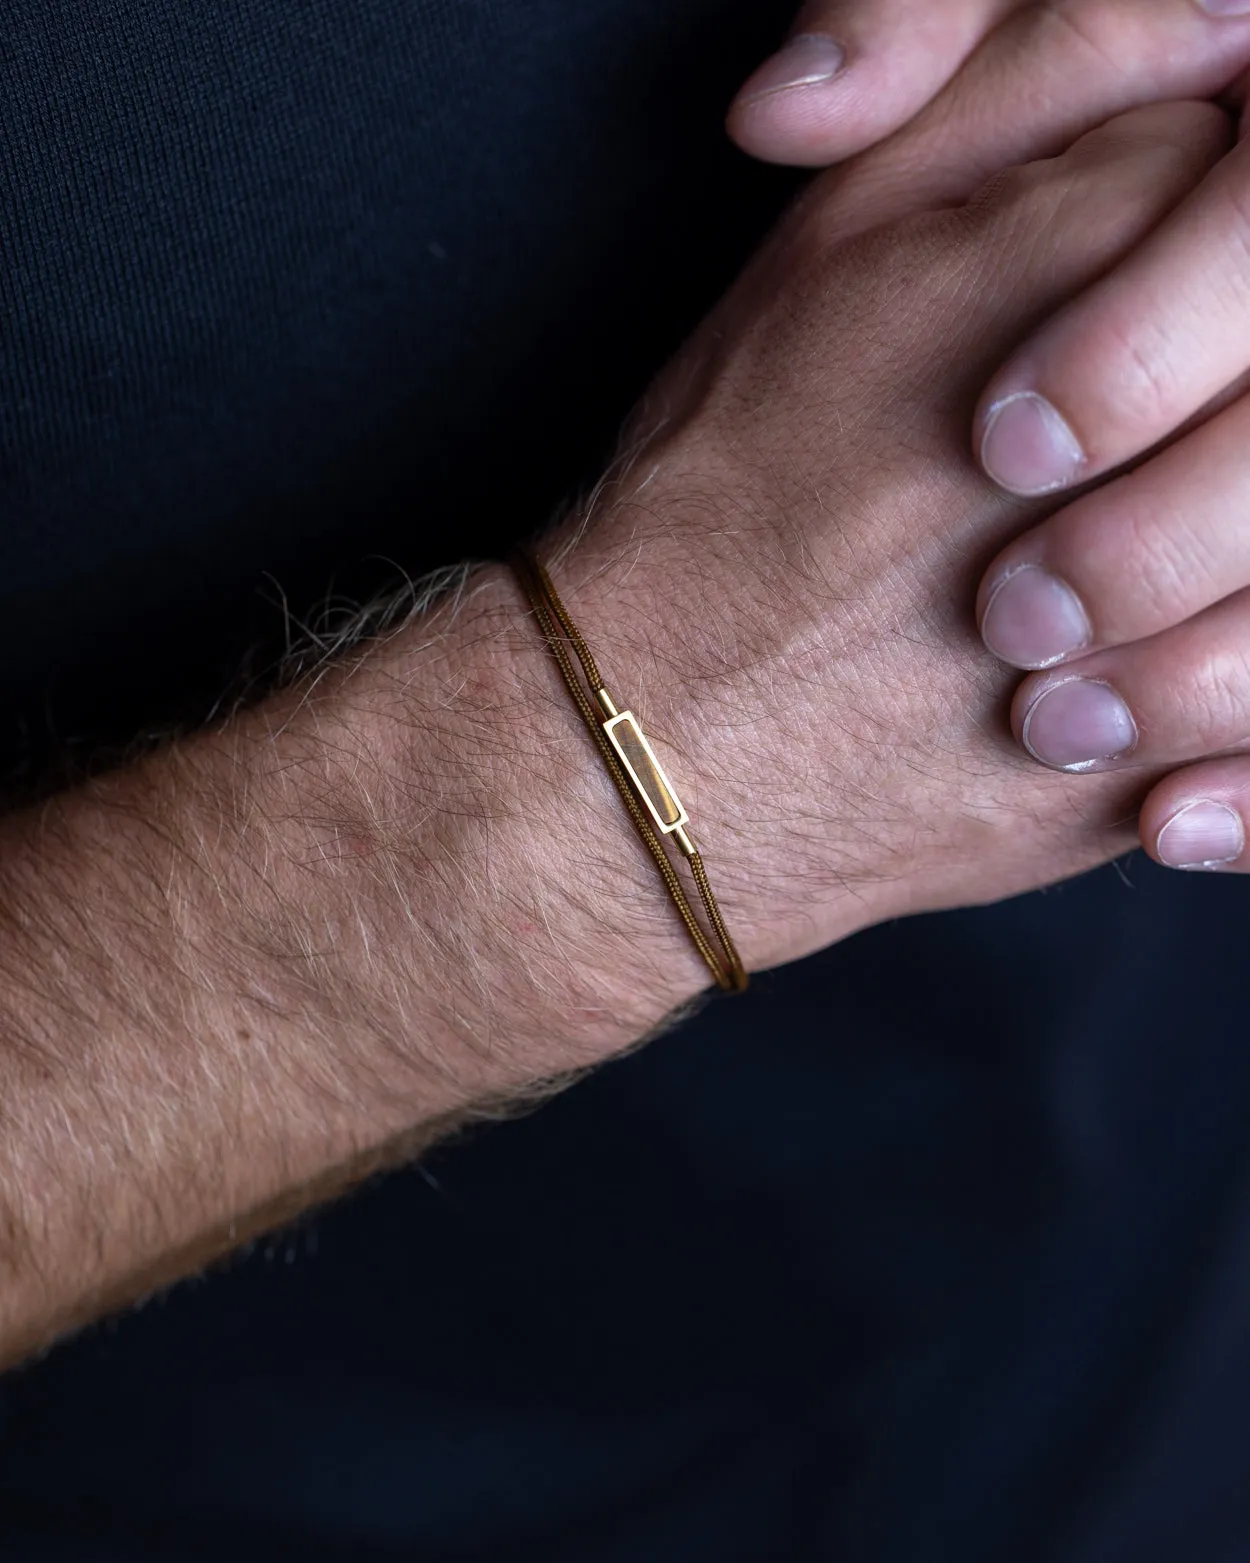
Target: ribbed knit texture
[[286, 288]]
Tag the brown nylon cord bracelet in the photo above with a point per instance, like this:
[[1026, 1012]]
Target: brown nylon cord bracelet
[[649, 799]]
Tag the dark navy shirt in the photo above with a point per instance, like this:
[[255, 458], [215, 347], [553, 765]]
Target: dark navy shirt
[[934, 1247]]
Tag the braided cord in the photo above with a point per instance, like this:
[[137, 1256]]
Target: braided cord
[[560, 632]]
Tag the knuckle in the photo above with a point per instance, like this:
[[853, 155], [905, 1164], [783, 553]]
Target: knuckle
[[1019, 216], [1115, 41], [1170, 566], [1094, 28], [1012, 188], [1070, 201], [1138, 383], [1221, 697]]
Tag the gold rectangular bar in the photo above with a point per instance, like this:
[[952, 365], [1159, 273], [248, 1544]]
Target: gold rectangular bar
[[638, 758]]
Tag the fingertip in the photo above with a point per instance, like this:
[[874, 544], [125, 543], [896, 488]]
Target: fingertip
[[853, 73], [788, 111], [1030, 618], [806, 60], [1026, 446], [1205, 835], [1198, 819]]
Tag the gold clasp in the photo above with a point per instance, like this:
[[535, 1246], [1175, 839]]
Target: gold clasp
[[646, 772]]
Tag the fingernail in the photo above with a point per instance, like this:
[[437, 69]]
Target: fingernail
[[1078, 724], [1034, 619], [1202, 835], [1028, 448], [806, 61], [1226, 7]]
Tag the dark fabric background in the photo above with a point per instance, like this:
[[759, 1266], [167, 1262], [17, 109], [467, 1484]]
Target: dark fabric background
[[293, 288], [934, 1247]]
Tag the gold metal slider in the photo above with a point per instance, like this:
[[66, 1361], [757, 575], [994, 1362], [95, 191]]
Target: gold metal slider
[[645, 771]]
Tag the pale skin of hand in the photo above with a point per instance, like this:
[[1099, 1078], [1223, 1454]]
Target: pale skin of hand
[[852, 72], [265, 961], [1133, 604]]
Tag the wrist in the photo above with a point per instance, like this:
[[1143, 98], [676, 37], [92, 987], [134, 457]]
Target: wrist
[[675, 627], [557, 945], [253, 968]]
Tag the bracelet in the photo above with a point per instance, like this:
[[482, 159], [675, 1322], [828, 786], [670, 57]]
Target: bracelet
[[645, 790]]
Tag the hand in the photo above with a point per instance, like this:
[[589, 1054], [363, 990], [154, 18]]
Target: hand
[[784, 572], [1135, 600], [854, 71], [1146, 352]]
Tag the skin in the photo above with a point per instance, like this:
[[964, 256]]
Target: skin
[[1141, 588], [265, 962], [1157, 557], [885, 61], [237, 976]]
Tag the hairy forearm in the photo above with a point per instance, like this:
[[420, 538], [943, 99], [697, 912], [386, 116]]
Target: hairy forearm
[[268, 960]]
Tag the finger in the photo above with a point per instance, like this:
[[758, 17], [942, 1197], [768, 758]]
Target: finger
[[852, 72], [1136, 357], [1177, 697], [1040, 235], [1199, 818], [1129, 560], [1050, 73]]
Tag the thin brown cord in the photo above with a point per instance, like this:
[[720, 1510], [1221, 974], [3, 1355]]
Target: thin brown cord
[[558, 628]]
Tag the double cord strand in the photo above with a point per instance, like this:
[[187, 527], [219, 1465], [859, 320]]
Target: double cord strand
[[560, 632]]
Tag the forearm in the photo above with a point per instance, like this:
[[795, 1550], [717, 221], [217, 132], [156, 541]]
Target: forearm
[[268, 960]]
